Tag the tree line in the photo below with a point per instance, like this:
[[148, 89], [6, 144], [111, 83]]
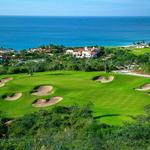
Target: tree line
[[108, 59]]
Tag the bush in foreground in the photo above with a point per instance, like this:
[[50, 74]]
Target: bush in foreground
[[73, 128]]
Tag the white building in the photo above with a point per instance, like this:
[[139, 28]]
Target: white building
[[69, 51], [86, 54], [83, 52], [140, 46]]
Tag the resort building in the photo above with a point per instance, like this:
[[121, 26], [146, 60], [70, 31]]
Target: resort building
[[84, 52], [40, 50], [141, 44]]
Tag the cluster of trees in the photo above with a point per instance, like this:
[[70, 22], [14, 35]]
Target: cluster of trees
[[108, 59], [66, 128], [142, 43], [144, 62]]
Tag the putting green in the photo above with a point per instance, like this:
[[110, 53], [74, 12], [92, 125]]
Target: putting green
[[113, 102]]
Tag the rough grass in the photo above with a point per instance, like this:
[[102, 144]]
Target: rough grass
[[113, 102]]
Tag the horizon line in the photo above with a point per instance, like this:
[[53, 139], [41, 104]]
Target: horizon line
[[64, 16]]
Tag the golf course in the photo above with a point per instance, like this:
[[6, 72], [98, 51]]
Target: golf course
[[112, 102]]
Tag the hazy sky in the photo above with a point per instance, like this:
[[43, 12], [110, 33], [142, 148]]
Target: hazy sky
[[75, 7]]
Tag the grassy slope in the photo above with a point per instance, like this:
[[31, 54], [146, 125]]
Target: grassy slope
[[140, 51], [136, 51], [115, 98]]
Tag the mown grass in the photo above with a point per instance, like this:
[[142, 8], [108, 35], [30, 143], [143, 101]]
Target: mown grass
[[136, 51], [113, 102], [140, 51]]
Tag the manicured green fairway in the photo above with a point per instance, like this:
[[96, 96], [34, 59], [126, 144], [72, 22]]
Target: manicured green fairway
[[140, 51], [117, 100]]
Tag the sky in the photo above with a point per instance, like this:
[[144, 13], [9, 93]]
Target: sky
[[75, 7]]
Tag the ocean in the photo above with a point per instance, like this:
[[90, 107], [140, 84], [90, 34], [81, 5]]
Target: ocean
[[19, 32]]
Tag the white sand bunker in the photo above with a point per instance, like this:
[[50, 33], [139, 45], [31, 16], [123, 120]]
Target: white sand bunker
[[47, 102], [8, 123], [2, 84], [144, 87], [4, 80], [13, 97], [42, 90], [105, 79]]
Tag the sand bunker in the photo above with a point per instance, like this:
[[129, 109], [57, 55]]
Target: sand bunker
[[13, 97], [4, 80], [2, 84], [8, 123], [46, 102], [42, 90], [148, 93], [144, 87], [105, 79]]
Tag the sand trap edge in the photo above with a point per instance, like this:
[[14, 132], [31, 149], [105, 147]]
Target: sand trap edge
[[14, 97], [104, 79], [38, 91], [144, 87], [5, 80], [48, 102]]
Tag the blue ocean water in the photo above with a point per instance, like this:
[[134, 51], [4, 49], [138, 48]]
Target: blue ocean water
[[27, 32]]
